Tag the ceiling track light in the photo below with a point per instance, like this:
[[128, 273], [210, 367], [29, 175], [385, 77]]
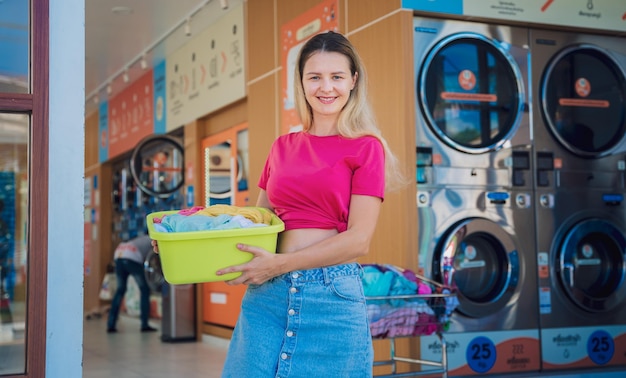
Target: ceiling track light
[[224, 4], [96, 100], [188, 27], [143, 62], [141, 58]]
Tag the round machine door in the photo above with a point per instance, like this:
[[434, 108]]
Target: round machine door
[[591, 265], [479, 258], [156, 165], [583, 94], [471, 93], [153, 272]]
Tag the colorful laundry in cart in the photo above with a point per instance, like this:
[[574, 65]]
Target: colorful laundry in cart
[[401, 303]]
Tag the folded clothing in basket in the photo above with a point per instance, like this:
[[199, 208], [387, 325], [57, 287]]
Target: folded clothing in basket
[[400, 303], [216, 217]]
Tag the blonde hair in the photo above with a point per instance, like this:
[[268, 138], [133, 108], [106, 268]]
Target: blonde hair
[[356, 118]]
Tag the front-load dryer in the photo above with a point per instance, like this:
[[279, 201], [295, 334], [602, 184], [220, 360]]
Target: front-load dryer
[[579, 117], [481, 243], [472, 110]]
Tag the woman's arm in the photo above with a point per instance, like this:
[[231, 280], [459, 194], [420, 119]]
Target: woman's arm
[[263, 201]]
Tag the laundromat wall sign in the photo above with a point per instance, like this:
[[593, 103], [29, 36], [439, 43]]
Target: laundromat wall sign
[[207, 73], [607, 15]]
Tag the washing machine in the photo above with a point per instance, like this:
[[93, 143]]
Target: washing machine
[[579, 125], [582, 268], [472, 102], [474, 192], [481, 243]]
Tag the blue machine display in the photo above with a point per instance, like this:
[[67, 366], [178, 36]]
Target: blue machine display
[[474, 191], [579, 125]]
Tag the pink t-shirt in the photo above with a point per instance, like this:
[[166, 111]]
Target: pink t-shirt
[[309, 179]]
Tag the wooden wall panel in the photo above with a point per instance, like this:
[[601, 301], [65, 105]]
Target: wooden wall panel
[[261, 43], [361, 12], [91, 140], [93, 280], [385, 47], [229, 116], [105, 216], [193, 160], [101, 249], [263, 126]]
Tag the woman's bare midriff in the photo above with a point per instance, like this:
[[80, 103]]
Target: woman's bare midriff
[[294, 240]]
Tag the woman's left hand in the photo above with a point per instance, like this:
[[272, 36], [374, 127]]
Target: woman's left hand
[[261, 268]]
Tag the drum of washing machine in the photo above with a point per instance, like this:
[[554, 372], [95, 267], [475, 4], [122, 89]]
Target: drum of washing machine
[[583, 100], [479, 258], [590, 265]]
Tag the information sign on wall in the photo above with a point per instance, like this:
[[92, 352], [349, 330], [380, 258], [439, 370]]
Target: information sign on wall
[[131, 115], [160, 83], [321, 18], [208, 72], [103, 132]]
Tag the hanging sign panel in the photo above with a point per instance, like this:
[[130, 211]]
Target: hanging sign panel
[[208, 72], [103, 132], [159, 98], [131, 115]]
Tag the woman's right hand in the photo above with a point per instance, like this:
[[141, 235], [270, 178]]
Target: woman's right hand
[[155, 246]]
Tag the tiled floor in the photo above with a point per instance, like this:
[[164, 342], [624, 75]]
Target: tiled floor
[[132, 354]]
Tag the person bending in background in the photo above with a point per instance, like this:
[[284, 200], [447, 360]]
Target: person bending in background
[[304, 312], [129, 258]]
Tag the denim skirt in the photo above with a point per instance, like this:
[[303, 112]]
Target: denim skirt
[[303, 324]]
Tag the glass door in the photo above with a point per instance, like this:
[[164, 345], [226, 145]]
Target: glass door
[[14, 137], [226, 167], [225, 181]]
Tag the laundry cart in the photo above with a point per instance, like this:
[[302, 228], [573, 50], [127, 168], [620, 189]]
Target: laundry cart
[[411, 315]]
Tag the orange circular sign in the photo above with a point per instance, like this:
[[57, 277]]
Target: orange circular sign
[[467, 80], [582, 87]]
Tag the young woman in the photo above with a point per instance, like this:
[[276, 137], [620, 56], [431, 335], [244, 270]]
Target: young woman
[[304, 312]]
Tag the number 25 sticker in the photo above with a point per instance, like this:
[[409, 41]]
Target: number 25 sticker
[[481, 354], [600, 347]]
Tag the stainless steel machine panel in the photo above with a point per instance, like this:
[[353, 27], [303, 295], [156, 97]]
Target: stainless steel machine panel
[[581, 244], [474, 190], [481, 242], [472, 101], [579, 108], [467, 239], [579, 128]]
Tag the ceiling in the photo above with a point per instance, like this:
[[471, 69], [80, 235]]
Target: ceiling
[[118, 33]]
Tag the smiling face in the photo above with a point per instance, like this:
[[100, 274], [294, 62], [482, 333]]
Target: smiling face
[[327, 82]]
